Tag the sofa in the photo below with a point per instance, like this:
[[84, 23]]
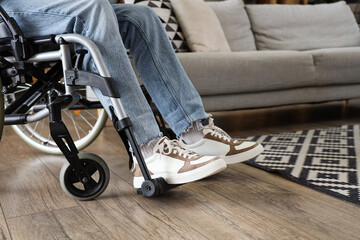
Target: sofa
[[279, 54]]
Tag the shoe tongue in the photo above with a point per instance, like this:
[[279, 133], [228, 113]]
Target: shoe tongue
[[162, 140], [207, 130], [157, 145]]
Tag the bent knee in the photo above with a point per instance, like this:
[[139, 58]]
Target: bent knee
[[97, 3], [136, 12], [144, 10], [99, 6]]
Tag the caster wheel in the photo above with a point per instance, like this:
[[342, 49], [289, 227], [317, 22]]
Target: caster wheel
[[93, 180], [150, 188]]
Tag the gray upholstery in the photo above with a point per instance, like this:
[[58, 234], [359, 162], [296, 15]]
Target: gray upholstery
[[235, 23], [286, 75], [281, 97], [336, 66], [303, 27], [254, 71]]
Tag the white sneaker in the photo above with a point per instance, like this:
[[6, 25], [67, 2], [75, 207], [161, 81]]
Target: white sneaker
[[177, 164], [216, 142]]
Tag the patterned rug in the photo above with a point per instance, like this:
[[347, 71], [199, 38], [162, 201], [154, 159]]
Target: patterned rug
[[327, 160]]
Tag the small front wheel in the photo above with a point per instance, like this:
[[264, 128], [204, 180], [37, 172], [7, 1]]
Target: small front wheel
[[91, 180]]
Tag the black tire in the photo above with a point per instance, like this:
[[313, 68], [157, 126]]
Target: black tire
[[1, 110], [86, 187]]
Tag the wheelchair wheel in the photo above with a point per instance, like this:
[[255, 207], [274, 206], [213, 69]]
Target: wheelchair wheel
[[84, 125], [1, 111], [93, 179]]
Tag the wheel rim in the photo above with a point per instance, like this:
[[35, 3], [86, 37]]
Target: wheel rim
[[84, 126], [38, 135], [91, 181]]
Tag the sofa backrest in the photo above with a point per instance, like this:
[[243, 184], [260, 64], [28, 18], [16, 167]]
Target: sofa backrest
[[303, 27], [235, 23]]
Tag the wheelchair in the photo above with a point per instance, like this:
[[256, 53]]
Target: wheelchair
[[42, 80]]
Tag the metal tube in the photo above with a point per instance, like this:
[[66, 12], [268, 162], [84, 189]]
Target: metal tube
[[119, 108], [90, 45], [66, 64], [37, 116], [40, 57], [64, 55], [99, 63]]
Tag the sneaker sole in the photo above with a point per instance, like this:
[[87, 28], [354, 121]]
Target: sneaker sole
[[191, 176], [244, 156]]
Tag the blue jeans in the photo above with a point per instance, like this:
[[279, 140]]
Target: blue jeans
[[114, 28]]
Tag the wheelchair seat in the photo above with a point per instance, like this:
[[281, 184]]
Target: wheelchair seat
[[13, 42]]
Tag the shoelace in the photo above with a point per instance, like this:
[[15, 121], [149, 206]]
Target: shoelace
[[218, 132], [168, 146]]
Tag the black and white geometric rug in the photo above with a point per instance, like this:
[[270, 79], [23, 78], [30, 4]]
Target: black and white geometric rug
[[324, 159]]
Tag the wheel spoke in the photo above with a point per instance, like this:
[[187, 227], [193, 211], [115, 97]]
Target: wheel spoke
[[48, 139], [76, 125], [42, 126], [73, 121], [22, 90], [90, 169], [91, 184], [83, 125], [73, 178], [92, 115], [86, 121], [34, 129]]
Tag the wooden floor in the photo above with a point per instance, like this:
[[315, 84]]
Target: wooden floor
[[241, 202]]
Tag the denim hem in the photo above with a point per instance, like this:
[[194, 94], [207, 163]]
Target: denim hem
[[183, 125], [150, 139]]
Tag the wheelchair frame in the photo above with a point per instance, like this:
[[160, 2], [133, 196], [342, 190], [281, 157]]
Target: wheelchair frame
[[22, 62]]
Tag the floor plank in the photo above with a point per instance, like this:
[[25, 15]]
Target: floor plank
[[289, 209], [213, 215], [122, 214], [240, 203], [27, 187], [4, 231], [71, 223], [310, 193], [221, 218]]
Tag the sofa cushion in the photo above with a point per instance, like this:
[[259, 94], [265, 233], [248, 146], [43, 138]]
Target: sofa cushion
[[235, 24], [303, 27], [336, 66], [280, 97], [201, 26], [253, 71], [166, 15]]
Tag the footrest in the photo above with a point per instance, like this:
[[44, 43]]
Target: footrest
[[155, 187]]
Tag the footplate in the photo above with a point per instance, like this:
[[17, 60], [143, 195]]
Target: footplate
[[155, 187], [150, 187]]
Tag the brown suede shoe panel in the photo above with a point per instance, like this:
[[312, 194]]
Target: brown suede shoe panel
[[231, 144], [189, 167]]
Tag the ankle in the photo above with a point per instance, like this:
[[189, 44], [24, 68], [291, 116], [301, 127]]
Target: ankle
[[147, 149], [193, 134]]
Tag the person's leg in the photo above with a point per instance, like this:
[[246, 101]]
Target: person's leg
[[171, 89], [94, 19], [160, 71]]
